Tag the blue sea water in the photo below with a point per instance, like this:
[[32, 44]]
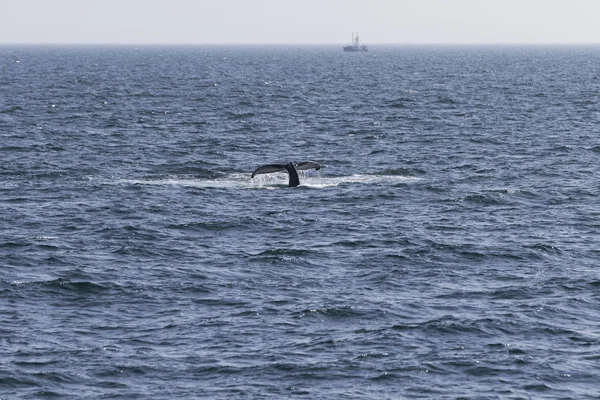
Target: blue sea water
[[448, 248]]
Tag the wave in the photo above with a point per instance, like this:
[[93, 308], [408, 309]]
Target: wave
[[79, 286], [11, 110]]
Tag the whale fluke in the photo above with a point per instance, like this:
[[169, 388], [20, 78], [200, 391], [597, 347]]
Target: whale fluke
[[307, 165], [267, 169], [291, 168]]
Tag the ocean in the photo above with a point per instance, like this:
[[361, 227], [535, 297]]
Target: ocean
[[448, 248]]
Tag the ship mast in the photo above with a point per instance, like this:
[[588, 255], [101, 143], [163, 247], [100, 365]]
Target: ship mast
[[355, 44]]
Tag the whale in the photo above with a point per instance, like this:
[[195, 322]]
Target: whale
[[291, 168]]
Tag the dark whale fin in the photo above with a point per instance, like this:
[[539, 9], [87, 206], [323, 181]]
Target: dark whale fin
[[267, 169], [291, 169], [307, 165]]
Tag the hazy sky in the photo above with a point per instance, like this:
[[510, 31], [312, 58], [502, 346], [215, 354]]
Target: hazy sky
[[299, 21]]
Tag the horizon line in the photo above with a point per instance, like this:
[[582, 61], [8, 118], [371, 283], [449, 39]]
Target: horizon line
[[296, 44]]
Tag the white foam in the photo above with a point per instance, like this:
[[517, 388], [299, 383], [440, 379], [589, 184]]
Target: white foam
[[357, 178], [230, 181], [271, 181]]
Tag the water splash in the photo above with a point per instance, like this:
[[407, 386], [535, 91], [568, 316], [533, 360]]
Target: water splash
[[271, 181]]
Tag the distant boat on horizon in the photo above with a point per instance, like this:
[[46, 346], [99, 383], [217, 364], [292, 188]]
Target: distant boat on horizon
[[355, 46]]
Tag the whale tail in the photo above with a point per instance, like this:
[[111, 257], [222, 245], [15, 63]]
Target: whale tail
[[291, 168]]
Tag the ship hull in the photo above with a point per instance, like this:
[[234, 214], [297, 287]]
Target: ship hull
[[355, 49]]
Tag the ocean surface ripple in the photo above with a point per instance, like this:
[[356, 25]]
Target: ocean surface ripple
[[447, 248]]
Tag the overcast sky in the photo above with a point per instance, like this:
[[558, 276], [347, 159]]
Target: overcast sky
[[299, 21]]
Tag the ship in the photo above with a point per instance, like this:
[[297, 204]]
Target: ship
[[355, 46]]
